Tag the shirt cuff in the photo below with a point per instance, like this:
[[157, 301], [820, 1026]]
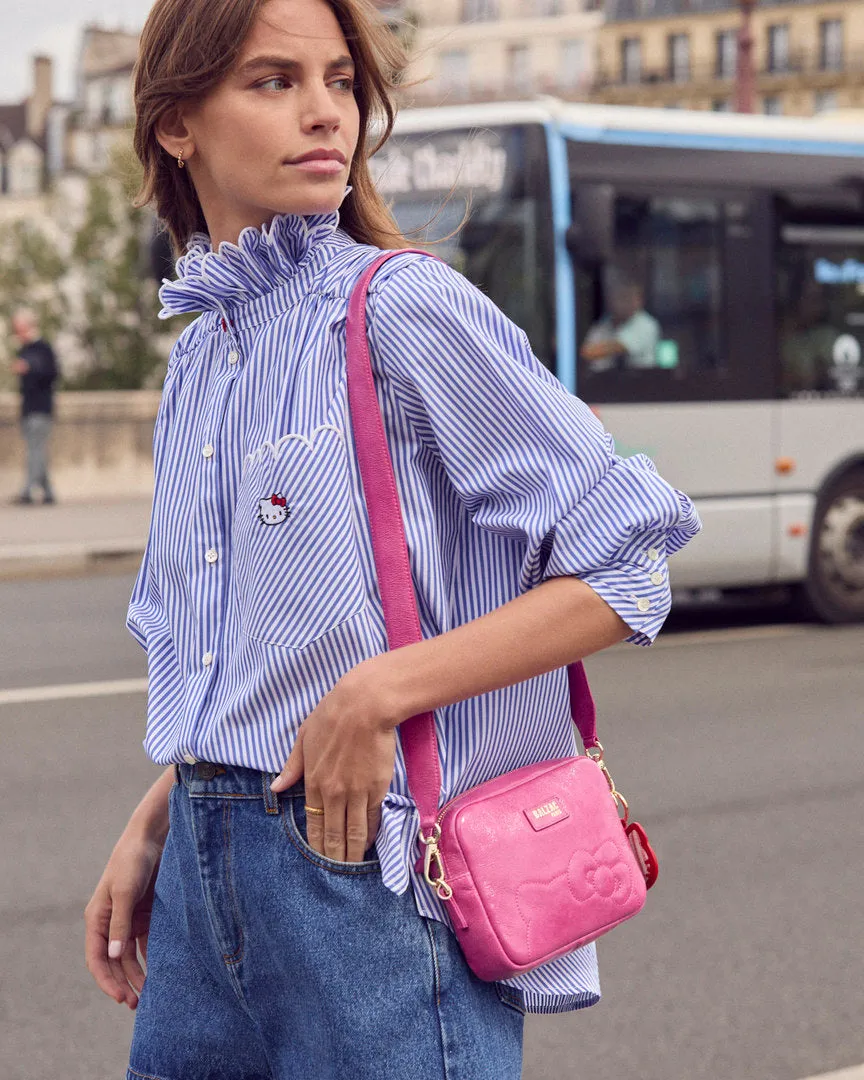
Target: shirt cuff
[[638, 592]]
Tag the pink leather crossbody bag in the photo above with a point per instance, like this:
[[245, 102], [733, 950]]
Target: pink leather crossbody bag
[[534, 863]]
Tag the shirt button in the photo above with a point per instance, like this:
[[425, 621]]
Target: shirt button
[[208, 451], [643, 605], [653, 554], [190, 759], [233, 356], [657, 578], [207, 659], [212, 556]]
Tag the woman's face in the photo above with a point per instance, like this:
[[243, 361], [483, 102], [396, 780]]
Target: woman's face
[[290, 94]]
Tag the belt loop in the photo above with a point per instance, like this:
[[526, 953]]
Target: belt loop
[[177, 778], [271, 798]]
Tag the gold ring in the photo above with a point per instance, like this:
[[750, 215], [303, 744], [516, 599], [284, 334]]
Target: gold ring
[[314, 810]]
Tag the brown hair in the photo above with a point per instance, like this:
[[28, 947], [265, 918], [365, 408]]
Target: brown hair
[[188, 46]]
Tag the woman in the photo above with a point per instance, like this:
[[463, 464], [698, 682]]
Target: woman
[[289, 934]]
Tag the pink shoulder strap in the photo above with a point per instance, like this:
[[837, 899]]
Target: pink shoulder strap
[[391, 554]]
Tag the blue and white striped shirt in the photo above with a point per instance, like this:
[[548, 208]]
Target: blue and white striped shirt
[[257, 590]]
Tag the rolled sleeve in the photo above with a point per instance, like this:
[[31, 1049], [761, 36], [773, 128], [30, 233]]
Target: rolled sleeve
[[528, 459], [617, 540]]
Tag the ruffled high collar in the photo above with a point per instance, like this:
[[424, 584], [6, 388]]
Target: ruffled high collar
[[262, 259]]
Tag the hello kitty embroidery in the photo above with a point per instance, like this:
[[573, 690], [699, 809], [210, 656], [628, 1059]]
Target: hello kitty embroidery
[[273, 510]]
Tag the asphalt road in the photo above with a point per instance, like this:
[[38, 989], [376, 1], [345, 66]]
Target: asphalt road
[[741, 748]]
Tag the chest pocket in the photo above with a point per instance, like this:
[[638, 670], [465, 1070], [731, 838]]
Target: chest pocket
[[296, 558]]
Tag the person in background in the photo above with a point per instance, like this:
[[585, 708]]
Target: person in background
[[627, 331], [36, 368]]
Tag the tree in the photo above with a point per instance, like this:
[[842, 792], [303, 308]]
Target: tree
[[84, 267], [118, 327]]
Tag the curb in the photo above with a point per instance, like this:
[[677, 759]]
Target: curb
[[856, 1072], [40, 561]]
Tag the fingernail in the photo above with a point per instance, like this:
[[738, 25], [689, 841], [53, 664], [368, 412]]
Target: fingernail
[[115, 949]]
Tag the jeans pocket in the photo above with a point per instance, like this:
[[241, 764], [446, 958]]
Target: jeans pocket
[[294, 822], [510, 998]]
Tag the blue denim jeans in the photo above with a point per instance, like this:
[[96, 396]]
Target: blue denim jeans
[[268, 961]]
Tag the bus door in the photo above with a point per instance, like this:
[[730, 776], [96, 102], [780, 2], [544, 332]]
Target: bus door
[[673, 316]]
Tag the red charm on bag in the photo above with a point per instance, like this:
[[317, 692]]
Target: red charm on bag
[[643, 851]]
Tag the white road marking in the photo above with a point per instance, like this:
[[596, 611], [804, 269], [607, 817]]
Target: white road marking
[[855, 1073], [25, 695]]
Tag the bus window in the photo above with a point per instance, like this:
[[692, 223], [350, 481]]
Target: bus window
[[506, 246], [820, 310], [650, 312]]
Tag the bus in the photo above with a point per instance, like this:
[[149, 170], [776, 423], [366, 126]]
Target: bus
[[698, 280]]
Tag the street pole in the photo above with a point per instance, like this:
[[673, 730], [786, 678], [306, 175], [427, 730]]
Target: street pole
[[744, 77]]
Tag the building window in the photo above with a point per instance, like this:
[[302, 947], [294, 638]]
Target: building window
[[631, 60], [778, 47], [544, 8], [727, 54], [721, 105], [572, 73], [519, 65], [454, 70], [93, 101], [831, 44], [772, 105], [679, 57], [479, 10], [824, 101]]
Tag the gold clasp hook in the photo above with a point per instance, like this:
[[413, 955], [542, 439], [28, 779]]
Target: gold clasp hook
[[433, 864], [596, 755]]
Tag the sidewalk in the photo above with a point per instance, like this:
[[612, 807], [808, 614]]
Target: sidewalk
[[72, 538]]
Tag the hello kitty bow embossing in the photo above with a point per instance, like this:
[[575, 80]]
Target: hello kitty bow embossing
[[601, 879], [278, 500]]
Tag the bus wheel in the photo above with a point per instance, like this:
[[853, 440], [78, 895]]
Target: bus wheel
[[835, 582]]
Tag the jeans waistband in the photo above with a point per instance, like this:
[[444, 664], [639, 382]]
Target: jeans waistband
[[209, 779]]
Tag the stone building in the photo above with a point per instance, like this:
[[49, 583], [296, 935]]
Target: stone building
[[808, 57], [23, 128], [488, 50], [103, 111]]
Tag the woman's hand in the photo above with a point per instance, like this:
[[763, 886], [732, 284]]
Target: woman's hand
[[345, 750], [117, 919]]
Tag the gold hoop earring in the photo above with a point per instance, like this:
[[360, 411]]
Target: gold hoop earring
[[181, 164]]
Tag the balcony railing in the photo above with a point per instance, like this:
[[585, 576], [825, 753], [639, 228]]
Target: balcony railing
[[632, 10], [809, 64]]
